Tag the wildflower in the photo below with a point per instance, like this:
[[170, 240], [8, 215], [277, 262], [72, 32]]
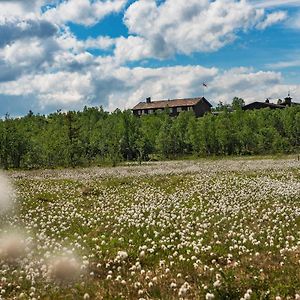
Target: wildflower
[[122, 255], [217, 283], [183, 290], [173, 285], [209, 296]]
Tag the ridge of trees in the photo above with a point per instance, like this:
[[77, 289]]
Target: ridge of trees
[[93, 136]]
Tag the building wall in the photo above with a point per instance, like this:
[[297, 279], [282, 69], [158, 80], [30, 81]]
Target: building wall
[[201, 108]]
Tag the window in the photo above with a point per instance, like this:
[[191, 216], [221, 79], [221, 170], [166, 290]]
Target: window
[[190, 108], [150, 111], [174, 110], [179, 109]]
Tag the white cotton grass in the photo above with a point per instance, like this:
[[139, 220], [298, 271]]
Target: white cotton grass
[[121, 256], [6, 194], [64, 268]]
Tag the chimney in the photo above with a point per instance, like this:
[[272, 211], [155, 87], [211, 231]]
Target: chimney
[[267, 100], [148, 100], [288, 100]]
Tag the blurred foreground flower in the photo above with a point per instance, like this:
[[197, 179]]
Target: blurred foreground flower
[[64, 268], [12, 246], [6, 194]]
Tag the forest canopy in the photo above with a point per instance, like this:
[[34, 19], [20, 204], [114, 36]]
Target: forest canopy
[[93, 136]]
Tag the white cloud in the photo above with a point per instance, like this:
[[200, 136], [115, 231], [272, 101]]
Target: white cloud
[[101, 42], [21, 8], [13, 29], [83, 12], [59, 72], [245, 83], [272, 19], [294, 22], [285, 64], [61, 88], [14, 61], [177, 26], [274, 3], [123, 87], [186, 81], [133, 48], [159, 83]]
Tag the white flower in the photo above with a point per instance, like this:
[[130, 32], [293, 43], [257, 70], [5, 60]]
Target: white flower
[[209, 296], [173, 285], [122, 255], [183, 290], [217, 283]]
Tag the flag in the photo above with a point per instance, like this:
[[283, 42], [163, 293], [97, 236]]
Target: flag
[[204, 84]]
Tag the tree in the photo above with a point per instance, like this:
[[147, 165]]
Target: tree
[[237, 103]]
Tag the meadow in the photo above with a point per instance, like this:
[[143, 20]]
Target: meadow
[[224, 229]]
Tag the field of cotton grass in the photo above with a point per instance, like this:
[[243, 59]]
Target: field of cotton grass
[[227, 229]]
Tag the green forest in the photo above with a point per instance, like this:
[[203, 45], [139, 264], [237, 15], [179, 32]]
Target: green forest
[[96, 137]]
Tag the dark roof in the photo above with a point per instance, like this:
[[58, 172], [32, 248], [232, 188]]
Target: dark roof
[[161, 104], [257, 104]]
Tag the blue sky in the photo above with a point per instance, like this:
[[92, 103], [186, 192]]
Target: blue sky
[[65, 54]]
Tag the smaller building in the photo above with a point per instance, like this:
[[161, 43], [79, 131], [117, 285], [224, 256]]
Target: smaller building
[[198, 105], [280, 105]]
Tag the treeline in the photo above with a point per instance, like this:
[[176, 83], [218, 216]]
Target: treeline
[[93, 136]]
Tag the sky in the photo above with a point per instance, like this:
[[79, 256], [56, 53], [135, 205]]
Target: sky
[[67, 54]]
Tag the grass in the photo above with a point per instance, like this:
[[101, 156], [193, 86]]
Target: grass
[[239, 227]]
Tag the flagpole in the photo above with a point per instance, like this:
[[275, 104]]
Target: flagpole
[[203, 87]]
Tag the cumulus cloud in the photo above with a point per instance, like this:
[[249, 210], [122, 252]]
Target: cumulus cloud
[[15, 29], [61, 88], [41, 59], [15, 60], [182, 82], [245, 83], [175, 26], [27, 45], [133, 48], [123, 87], [165, 82], [83, 12]]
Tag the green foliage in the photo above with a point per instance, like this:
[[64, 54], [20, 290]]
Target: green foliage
[[94, 136], [237, 103]]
